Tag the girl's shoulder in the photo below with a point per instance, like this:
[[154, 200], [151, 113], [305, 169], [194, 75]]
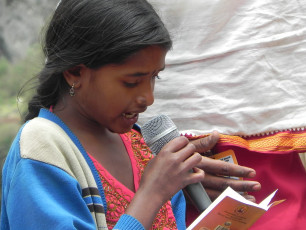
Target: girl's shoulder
[[41, 127], [45, 141], [41, 133]]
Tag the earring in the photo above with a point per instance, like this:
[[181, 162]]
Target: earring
[[71, 91]]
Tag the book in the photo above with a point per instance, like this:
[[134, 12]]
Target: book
[[231, 211]]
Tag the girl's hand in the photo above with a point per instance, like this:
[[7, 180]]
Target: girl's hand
[[163, 177], [216, 178], [169, 171], [216, 171]]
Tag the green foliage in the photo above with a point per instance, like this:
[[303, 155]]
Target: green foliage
[[9, 127], [13, 76], [4, 65]]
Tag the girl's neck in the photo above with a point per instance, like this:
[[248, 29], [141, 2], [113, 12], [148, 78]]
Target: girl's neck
[[79, 124], [105, 146]]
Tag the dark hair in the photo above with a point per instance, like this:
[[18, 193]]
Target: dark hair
[[93, 33]]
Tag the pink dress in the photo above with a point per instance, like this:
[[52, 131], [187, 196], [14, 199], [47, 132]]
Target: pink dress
[[118, 196]]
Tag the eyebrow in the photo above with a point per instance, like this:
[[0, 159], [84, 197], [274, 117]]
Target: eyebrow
[[141, 74]]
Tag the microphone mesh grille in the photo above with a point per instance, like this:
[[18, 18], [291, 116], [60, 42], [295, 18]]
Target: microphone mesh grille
[[159, 131]]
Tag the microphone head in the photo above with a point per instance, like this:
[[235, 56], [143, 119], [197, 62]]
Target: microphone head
[[159, 131]]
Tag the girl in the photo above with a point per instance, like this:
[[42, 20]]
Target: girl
[[77, 162]]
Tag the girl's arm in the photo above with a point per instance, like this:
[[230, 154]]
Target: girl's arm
[[41, 196]]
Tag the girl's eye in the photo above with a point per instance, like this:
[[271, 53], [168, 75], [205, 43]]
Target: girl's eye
[[130, 84], [135, 84]]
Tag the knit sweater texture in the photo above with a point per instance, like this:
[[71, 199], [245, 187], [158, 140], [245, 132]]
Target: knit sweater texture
[[49, 182]]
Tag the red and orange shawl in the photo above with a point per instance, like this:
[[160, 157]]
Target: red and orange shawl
[[275, 157]]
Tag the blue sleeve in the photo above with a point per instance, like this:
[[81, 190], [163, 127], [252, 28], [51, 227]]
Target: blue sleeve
[[127, 222], [178, 203], [41, 196]]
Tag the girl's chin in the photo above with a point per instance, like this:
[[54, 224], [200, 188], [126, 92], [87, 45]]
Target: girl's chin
[[123, 125]]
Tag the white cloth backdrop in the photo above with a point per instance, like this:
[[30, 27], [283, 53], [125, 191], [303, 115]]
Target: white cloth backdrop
[[237, 66]]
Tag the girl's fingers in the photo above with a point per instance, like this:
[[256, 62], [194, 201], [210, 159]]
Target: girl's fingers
[[174, 145], [192, 161], [223, 168], [220, 183], [180, 147], [207, 143]]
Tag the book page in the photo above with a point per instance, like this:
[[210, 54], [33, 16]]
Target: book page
[[231, 211]]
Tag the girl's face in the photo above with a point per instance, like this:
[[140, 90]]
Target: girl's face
[[113, 95]]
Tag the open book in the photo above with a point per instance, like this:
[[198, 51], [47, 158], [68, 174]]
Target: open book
[[232, 211]]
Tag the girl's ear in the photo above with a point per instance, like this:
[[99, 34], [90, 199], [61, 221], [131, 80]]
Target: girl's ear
[[74, 74], [75, 70]]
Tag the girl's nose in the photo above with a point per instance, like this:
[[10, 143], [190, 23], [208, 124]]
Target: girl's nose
[[146, 98]]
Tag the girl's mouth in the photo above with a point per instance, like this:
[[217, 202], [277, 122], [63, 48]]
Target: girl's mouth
[[130, 115]]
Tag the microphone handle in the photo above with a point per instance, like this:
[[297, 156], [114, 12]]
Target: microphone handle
[[198, 196]]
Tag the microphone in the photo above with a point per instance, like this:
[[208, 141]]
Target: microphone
[[156, 133]]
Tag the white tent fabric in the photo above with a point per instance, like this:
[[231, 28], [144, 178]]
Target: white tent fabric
[[238, 67]]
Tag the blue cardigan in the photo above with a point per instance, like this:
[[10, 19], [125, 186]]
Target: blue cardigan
[[49, 182]]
